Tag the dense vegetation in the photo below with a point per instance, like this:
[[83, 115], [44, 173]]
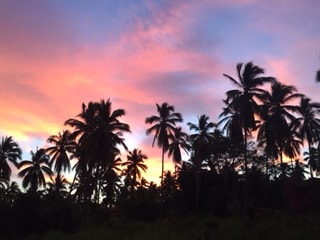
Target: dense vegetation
[[236, 167]]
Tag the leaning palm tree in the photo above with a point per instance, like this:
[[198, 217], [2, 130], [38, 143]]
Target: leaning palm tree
[[243, 100], [35, 171], [9, 152], [135, 164], [62, 150], [163, 126]]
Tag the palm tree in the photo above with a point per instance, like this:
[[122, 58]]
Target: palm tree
[[202, 139], [58, 187], [9, 152], [179, 140], [35, 171], [309, 123], [63, 146], [135, 164], [12, 192], [163, 126], [170, 185], [202, 129], [279, 128], [230, 119], [298, 171], [312, 157], [201, 142], [98, 132], [244, 99]]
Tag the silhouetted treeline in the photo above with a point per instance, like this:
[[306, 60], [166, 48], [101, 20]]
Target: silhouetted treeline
[[262, 156]]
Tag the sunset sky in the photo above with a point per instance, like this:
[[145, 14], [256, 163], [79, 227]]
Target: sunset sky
[[56, 54]]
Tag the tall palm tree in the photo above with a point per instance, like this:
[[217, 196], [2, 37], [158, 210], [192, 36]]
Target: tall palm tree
[[135, 164], [9, 152], [309, 123], [63, 146], [35, 171], [243, 100], [98, 132], [163, 126]]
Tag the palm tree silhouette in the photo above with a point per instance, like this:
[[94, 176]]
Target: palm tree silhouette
[[135, 164], [98, 132], [279, 128], [179, 140], [312, 157], [9, 152], [12, 192], [309, 123], [244, 99], [111, 181], [170, 185], [163, 126], [230, 119], [35, 171], [63, 146], [201, 142], [58, 187]]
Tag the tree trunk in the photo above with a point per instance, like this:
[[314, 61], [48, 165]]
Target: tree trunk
[[197, 191], [245, 188], [281, 163], [310, 160], [162, 168]]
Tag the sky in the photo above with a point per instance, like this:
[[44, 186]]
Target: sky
[[57, 54]]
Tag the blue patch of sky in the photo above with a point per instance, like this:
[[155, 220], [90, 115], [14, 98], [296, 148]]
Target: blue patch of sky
[[234, 34], [96, 22]]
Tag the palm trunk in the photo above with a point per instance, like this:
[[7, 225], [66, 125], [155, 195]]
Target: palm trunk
[[161, 185], [267, 183], [72, 184], [197, 191], [245, 190], [162, 168], [310, 160], [134, 180], [281, 163]]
